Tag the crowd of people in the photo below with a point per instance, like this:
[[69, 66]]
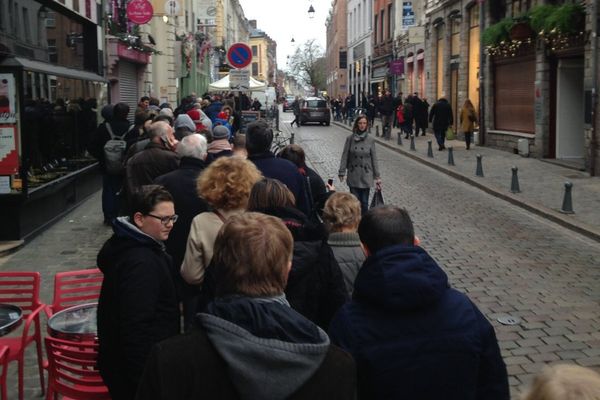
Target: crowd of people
[[241, 274], [412, 115]]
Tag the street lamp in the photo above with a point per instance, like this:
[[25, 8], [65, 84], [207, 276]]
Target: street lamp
[[311, 12], [292, 41]]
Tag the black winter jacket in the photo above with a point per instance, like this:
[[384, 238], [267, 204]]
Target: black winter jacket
[[137, 306], [315, 285], [441, 115], [155, 160]]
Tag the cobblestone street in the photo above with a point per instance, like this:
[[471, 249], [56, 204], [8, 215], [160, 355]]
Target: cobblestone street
[[507, 260]]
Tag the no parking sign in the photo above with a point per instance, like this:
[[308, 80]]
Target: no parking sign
[[239, 55]]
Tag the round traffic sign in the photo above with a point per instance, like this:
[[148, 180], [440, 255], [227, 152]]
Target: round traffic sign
[[239, 55]]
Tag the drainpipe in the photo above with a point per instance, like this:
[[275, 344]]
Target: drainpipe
[[594, 44]]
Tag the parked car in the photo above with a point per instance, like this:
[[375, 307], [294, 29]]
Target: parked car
[[287, 103], [315, 109]]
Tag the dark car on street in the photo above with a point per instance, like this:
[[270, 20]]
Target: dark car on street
[[287, 103], [315, 109]]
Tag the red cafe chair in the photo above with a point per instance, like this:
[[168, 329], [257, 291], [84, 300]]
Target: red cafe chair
[[72, 370], [75, 287], [23, 289], [4, 363]]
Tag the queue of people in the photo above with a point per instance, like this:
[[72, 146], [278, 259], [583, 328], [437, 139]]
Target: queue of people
[[286, 293]]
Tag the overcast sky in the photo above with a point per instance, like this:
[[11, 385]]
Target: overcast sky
[[283, 20]]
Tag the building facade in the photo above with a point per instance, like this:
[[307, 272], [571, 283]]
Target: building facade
[[382, 41], [360, 20], [409, 48], [264, 55], [336, 52]]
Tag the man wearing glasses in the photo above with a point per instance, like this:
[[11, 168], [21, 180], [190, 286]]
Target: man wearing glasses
[[138, 304]]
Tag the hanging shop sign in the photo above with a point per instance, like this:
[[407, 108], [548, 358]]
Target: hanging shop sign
[[139, 11], [397, 66], [8, 111]]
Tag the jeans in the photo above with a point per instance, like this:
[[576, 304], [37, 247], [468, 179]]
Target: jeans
[[362, 194], [440, 136], [420, 127], [408, 129], [111, 184]]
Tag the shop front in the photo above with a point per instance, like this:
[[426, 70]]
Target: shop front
[[47, 116]]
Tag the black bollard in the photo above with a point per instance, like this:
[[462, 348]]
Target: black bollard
[[567, 206], [412, 143], [514, 183], [479, 170], [399, 138], [292, 138], [376, 130], [429, 149], [450, 156]]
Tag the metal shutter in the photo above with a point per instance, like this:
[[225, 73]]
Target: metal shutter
[[128, 86], [514, 90]]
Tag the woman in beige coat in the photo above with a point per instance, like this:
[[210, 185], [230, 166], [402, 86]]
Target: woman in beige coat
[[468, 118], [226, 186]]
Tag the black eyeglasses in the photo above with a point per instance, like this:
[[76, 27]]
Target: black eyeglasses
[[165, 220]]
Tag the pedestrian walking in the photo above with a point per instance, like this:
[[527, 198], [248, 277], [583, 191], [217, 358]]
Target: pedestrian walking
[[138, 305], [386, 109], [411, 334], [359, 159], [296, 111], [420, 111], [441, 116], [249, 343], [468, 118]]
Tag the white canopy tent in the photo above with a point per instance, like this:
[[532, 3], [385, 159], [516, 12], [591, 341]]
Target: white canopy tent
[[223, 84]]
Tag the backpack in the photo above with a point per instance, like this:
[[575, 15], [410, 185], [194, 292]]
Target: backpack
[[114, 152]]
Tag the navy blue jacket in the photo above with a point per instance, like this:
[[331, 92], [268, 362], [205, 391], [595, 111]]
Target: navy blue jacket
[[286, 172], [414, 337]]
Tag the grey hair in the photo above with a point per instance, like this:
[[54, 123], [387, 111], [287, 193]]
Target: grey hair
[[158, 129], [194, 146]]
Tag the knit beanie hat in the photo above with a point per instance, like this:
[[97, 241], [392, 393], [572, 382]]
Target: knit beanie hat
[[184, 121], [220, 132]]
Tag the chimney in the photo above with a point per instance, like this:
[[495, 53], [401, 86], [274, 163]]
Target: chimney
[[252, 23]]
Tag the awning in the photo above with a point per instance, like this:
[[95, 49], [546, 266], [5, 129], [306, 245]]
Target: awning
[[223, 84], [378, 80], [51, 69]]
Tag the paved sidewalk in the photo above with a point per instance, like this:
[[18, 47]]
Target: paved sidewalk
[[541, 183]]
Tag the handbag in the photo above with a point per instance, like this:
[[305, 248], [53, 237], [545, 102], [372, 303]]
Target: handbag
[[377, 199], [450, 134]]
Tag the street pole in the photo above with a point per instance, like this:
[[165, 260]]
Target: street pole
[[594, 43]]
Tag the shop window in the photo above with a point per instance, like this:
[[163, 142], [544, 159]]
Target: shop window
[[26, 25], [455, 43], [51, 20], [52, 53], [389, 22], [2, 14], [440, 61], [375, 30], [473, 74], [514, 96]]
